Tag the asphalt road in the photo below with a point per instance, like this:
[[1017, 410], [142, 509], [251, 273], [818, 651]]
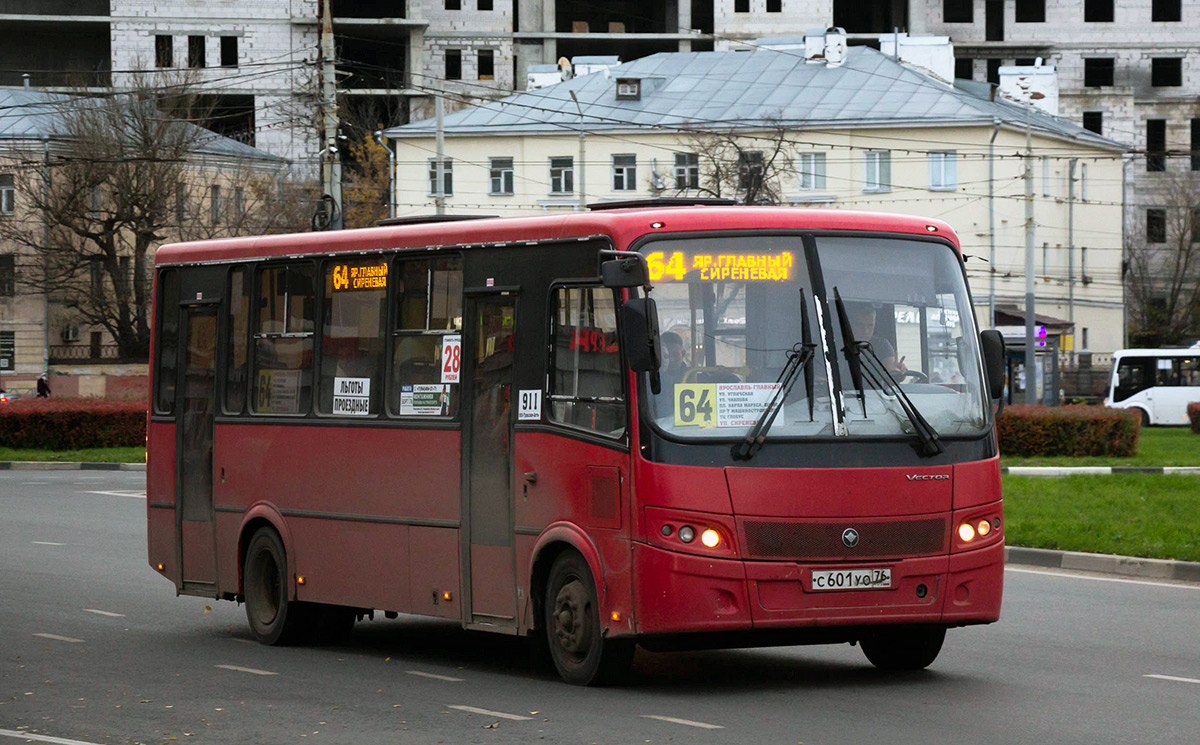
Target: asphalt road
[[95, 648]]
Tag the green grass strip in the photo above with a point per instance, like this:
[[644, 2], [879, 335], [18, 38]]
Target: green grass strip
[[1157, 446], [90, 455], [1150, 516]]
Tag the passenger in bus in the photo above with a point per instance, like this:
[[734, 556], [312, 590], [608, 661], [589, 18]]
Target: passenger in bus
[[862, 323], [674, 360]]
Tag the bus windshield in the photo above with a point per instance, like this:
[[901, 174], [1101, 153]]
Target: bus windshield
[[732, 310]]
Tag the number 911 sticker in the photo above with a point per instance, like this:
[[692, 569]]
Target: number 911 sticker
[[852, 579]]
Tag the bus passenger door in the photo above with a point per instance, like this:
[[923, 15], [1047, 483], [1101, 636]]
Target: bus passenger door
[[487, 462], [197, 397]]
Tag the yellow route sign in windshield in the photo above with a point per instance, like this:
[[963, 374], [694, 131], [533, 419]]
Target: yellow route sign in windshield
[[713, 267]]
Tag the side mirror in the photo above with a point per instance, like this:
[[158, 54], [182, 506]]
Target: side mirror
[[639, 326], [992, 343], [627, 271]]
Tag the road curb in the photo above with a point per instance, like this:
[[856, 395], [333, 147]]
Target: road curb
[[1126, 566], [1096, 470], [34, 465]]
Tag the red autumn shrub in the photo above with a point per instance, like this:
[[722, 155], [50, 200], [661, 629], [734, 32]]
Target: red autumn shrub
[[1068, 430], [72, 423], [1194, 416]]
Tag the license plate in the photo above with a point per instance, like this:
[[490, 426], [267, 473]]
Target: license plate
[[852, 579]]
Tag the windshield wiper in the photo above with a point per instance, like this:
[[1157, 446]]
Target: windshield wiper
[[798, 358], [877, 373]]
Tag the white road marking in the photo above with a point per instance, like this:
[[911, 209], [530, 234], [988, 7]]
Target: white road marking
[[47, 543], [58, 638], [41, 738], [250, 670], [130, 494], [34, 483], [500, 714], [110, 614], [688, 722], [1172, 677], [1104, 579], [435, 676]]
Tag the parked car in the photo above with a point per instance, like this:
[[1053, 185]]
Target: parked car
[[9, 396]]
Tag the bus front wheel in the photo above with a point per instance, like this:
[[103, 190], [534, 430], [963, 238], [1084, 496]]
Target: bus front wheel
[[903, 648], [273, 618], [578, 647]]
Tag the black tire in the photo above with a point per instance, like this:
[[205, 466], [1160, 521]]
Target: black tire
[[904, 648], [1145, 417], [581, 653], [273, 618]]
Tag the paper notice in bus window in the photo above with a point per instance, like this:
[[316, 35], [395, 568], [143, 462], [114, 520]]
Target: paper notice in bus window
[[278, 391], [352, 396], [451, 358], [424, 400], [530, 408], [721, 404]]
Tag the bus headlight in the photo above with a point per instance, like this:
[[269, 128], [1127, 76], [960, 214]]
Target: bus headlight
[[710, 538], [687, 534], [966, 532], [983, 528]]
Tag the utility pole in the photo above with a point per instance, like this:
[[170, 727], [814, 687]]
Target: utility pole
[[582, 155], [1030, 341], [439, 189], [331, 159], [992, 225], [1071, 250]]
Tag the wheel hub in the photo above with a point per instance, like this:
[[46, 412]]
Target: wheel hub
[[571, 627]]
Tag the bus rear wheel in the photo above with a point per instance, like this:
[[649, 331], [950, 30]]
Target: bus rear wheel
[[581, 653], [273, 618], [904, 648]]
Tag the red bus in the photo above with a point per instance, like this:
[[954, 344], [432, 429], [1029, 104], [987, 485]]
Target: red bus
[[679, 427]]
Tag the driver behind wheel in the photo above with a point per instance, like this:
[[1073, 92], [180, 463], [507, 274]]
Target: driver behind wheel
[[862, 322]]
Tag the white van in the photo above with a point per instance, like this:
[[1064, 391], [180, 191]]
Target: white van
[[1159, 383]]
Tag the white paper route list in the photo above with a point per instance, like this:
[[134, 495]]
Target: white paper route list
[[741, 404]]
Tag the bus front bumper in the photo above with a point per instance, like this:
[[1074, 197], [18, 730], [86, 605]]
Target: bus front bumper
[[678, 593]]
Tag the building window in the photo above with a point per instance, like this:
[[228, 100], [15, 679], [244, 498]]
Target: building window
[[993, 71], [196, 51], [624, 172], [586, 382], [229, 51], [1166, 10], [501, 173], [741, 6], [1083, 182], [427, 343], [487, 64], [447, 178], [1030, 11], [1195, 145], [810, 169], [1194, 236], [1156, 226], [8, 194], [751, 168], [629, 89], [943, 172], [239, 202], [453, 4], [164, 51], [687, 171], [214, 204], [958, 11], [8, 351], [8, 275], [774, 6], [283, 339], [486, 5], [562, 175], [1156, 144], [1098, 71], [1098, 11], [877, 171], [453, 64], [964, 68], [1094, 121], [1166, 72]]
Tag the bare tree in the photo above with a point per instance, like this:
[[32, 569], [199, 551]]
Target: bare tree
[[1162, 270], [750, 167], [119, 179]]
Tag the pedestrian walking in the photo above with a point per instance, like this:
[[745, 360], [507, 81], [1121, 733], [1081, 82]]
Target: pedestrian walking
[[43, 387]]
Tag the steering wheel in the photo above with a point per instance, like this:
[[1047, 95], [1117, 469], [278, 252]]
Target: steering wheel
[[916, 375]]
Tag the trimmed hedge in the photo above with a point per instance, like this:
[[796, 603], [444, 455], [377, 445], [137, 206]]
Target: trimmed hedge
[[1027, 430], [72, 423], [1194, 416]]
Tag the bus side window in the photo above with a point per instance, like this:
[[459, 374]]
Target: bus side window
[[353, 321], [168, 341], [283, 340], [426, 337], [586, 388], [237, 366]]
